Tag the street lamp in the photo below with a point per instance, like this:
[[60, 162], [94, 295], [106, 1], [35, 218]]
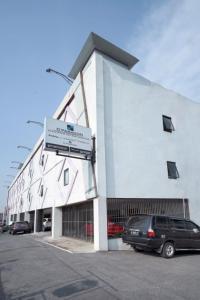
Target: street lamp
[[17, 162], [17, 168], [35, 122], [66, 78], [24, 147], [7, 186]]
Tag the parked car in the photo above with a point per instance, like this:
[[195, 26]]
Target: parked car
[[20, 227], [3, 228], [163, 234], [114, 229], [46, 224]]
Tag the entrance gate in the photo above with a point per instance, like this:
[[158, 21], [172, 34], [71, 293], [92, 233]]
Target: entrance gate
[[78, 221]]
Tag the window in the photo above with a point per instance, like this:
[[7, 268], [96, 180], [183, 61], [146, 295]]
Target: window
[[161, 222], [172, 170], [140, 222], [167, 124], [42, 160], [41, 190], [191, 226], [66, 176], [178, 224]]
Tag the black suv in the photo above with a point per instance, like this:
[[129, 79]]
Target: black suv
[[162, 234]]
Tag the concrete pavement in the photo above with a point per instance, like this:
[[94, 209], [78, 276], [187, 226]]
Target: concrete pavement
[[31, 270]]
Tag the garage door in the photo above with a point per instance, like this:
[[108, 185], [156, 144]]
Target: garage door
[[78, 221]]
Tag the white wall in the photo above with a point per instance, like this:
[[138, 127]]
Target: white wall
[[81, 180], [137, 148]]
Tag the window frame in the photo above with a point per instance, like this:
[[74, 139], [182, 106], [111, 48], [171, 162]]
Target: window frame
[[41, 190], [66, 178], [176, 170], [165, 128]]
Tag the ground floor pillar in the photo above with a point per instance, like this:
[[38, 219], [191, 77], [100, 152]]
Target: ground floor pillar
[[38, 220], [56, 222], [18, 217], [27, 216], [100, 224]]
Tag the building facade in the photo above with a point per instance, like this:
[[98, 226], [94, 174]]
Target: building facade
[[147, 153]]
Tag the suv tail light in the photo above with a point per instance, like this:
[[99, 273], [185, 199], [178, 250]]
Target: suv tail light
[[151, 233]]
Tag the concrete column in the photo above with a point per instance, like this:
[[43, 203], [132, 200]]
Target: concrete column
[[27, 216], [100, 224], [56, 225], [100, 203], [36, 219]]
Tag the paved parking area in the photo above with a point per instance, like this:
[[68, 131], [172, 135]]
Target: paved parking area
[[69, 244], [30, 270]]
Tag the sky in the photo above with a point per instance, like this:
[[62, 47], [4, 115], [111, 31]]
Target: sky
[[36, 35]]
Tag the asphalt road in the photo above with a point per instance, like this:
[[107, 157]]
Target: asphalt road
[[30, 270]]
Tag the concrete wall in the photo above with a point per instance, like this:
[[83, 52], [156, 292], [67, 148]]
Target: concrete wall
[[24, 194], [137, 148]]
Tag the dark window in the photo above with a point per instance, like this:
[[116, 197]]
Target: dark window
[[172, 170], [178, 224], [167, 124], [139, 222], [161, 222], [66, 177], [41, 190], [42, 160], [191, 226]]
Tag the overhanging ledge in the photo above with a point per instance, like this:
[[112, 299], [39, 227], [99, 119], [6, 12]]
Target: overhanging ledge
[[95, 42]]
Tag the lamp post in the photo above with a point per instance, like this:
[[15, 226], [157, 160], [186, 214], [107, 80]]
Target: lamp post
[[7, 186], [17, 168], [17, 162], [66, 78], [35, 122], [24, 147]]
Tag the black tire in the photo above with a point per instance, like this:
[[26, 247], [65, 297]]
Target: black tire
[[168, 250], [137, 249]]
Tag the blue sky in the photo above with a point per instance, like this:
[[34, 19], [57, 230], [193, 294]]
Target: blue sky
[[35, 35]]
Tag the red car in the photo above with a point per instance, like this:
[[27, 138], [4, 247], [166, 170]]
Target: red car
[[113, 229]]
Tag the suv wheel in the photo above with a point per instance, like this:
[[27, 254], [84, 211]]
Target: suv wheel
[[168, 250], [137, 249]]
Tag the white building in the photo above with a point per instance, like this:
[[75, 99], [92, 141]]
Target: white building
[[147, 152]]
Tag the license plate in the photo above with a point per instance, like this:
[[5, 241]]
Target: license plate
[[134, 232]]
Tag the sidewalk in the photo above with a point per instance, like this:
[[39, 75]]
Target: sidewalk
[[71, 245]]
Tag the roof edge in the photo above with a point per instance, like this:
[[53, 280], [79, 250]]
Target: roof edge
[[95, 42]]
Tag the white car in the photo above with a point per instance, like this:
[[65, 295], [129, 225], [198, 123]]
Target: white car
[[46, 225]]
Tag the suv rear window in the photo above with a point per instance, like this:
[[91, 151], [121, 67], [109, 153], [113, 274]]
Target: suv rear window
[[139, 222]]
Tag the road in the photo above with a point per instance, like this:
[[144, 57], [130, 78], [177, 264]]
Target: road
[[31, 270]]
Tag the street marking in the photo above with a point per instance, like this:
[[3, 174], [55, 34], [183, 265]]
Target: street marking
[[55, 246]]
